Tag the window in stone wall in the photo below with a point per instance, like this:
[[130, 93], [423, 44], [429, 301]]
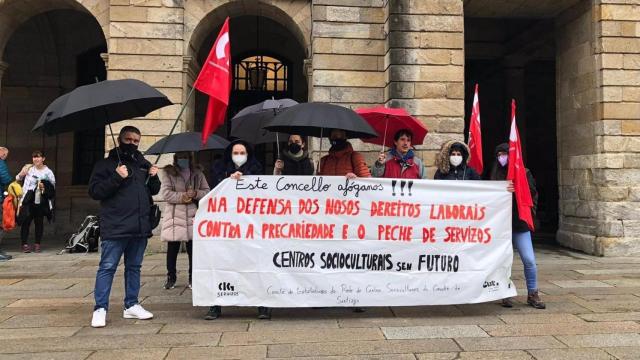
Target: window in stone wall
[[261, 73]]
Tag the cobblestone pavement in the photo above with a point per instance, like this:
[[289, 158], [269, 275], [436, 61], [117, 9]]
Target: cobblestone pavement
[[593, 312]]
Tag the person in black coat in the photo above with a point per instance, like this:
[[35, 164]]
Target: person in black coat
[[452, 162], [123, 183], [294, 159], [238, 161]]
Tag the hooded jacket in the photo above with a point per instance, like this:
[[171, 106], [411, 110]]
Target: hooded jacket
[[178, 216], [446, 171], [296, 165], [499, 172], [343, 161], [124, 203], [225, 167]]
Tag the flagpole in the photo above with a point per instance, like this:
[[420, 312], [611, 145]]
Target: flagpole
[[175, 123]]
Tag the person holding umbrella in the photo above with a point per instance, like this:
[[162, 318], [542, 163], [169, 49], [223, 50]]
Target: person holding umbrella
[[123, 183], [342, 160], [452, 162], [400, 161], [238, 160], [183, 184], [295, 159]]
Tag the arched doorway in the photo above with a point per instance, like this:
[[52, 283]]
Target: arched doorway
[[54, 49], [268, 59]]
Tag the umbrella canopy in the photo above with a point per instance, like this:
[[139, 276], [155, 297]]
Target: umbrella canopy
[[96, 105], [317, 119], [388, 121], [249, 122], [186, 141]]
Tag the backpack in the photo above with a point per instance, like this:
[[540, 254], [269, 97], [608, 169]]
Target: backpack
[[8, 214]]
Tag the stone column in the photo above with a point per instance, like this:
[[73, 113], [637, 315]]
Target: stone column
[[426, 68]]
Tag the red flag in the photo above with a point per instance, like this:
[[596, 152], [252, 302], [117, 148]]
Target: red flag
[[517, 172], [215, 80], [475, 136]]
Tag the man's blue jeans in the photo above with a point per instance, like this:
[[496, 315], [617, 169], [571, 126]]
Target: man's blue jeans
[[522, 242], [112, 251]]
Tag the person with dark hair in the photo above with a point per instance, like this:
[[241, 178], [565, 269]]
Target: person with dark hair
[[38, 190], [400, 161], [342, 160], [238, 160], [294, 159], [183, 185], [123, 183], [5, 180], [452, 162], [521, 235]]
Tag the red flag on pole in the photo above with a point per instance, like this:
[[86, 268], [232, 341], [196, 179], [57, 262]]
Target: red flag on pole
[[475, 136], [215, 80], [517, 172]]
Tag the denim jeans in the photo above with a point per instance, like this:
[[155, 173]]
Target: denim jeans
[[112, 251], [522, 243]]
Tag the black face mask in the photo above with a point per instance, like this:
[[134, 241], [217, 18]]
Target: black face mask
[[338, 144], [128, 149], [294, 148]]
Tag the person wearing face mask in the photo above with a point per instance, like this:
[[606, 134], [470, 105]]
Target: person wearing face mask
[[238, 160], [521, 236], [452, 162], [400, 161], [295, 159], [183, 185], [342, 160], [37, 200], [123, 183]]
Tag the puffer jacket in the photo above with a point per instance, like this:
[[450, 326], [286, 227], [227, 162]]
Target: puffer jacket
[[124, 203], [341, 162], [177, 216], [5, 178], [446, 171]]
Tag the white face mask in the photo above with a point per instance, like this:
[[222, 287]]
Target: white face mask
[[239, 160], [455, 160]]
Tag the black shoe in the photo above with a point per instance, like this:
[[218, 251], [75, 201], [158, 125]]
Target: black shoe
[[264, 313], [213, 313], [170, 284], [507, 303], [5, 257], [358, 310]]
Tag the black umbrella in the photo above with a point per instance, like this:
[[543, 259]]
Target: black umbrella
[[248, 123], [317, 119], [186, 141], [96, 105]]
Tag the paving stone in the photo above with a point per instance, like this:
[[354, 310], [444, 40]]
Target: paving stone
[[539, 318], [622, 316], [624, 353], [580, 283], [121, 329], [420, 321], [45, 332], [358, 357], [362, 348], [623, 282], [5, 282], [109, 343], [608, 271], [296, 324], [64, 355], [218, 352], [130, 354], [572, 328], [53, 302], [204, 326], [433, 332], [600, 340], [300, 335], [56, 319], [477, 355], [509, 343], [570, 354]]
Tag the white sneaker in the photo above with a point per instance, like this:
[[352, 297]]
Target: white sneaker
[[137, 312], [99, 318]]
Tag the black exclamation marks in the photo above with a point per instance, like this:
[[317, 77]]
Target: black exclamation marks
[[410, 185], [402, 184], [393, 186]]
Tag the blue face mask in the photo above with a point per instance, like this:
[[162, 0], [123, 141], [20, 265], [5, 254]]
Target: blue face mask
[[182, 163]]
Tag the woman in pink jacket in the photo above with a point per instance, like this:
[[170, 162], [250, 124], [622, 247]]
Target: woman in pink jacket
[[183, 185]]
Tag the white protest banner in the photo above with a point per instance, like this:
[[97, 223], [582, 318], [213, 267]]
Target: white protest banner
[[294, 241]]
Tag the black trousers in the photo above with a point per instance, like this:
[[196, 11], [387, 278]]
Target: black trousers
[[173, 248], [36, 215]]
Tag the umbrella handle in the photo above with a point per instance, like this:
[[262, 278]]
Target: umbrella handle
[[115, 145], [384, 139]]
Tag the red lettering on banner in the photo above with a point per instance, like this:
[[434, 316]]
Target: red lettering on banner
[[263, 206], [219, 229], [429, 235], [301, 230], [308, 206], [395, 232], [395, 208], [217, 204], [457, 212], [467, 235], [249, 234], [342, 207], [345, 229]]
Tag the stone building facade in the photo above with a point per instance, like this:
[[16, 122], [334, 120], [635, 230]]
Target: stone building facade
[[572, 65]]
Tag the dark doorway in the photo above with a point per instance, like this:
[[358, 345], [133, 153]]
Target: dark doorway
[[516, 59]]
